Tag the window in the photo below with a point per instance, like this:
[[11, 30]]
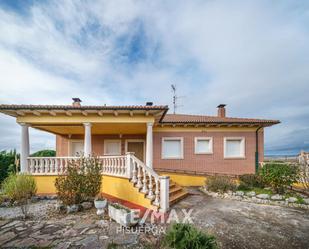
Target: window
[[203, 145], [112, 147], [172, 148], [234, 147], [76, 148]]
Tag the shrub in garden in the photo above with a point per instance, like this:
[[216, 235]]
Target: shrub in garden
[[279, 176], [248, 181], [220, 183], [8, 165], [185, 236], [81, 182], [20, 188]]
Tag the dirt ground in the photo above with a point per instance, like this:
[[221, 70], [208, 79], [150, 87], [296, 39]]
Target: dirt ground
[[235, 224], [248, 225]]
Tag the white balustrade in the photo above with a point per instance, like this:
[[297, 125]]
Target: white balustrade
[[158, 186], [48, 165], [155, 187], [114, 165]]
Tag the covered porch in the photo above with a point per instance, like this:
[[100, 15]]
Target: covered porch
[[121, 137], [124, 151], [113, 140]]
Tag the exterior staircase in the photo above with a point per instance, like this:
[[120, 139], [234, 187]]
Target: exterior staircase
[[176, 193]]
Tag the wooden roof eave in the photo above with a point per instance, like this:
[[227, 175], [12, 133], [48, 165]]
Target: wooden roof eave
[[85, 112]]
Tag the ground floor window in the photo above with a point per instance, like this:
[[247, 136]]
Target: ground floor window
[[76, 147], [112, 147], [172, 148], [202, 145], [234, 147]]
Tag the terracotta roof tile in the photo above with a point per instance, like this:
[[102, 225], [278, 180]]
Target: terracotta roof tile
[[184, 118], [83, 107]]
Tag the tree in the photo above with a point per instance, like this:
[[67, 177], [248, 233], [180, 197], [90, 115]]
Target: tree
[[44, 153], [8, 163]]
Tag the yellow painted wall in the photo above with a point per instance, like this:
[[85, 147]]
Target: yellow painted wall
[[123, 189], [45, 184], [186, 180], [79, 119], [118, 187]]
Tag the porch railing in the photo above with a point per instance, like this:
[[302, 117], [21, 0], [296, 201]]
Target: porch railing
[[111, 165], [155, 187], [49, 165]]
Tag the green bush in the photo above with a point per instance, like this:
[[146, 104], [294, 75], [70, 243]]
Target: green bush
[[248, 181], [279, 176], [8, 162], [44, 153], [220, 183], [81, 182], [20, 189], [185, 236]]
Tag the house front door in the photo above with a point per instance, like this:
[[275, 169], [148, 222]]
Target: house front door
[[137, 147]]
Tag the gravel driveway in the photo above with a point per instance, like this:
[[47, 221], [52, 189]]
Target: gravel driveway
[[248, 225]]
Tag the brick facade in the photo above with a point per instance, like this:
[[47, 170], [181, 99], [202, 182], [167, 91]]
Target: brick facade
[[211, 163], [192, 163], [62, 143]]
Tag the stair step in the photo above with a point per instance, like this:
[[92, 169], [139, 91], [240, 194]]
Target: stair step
[[177, 197], [176, 192], [175, 189]]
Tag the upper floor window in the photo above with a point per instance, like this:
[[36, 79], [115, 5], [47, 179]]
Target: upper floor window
[[234, 147], [203, 145], [172, 148]]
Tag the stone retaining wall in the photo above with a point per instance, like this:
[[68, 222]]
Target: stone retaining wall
[[261, 198]]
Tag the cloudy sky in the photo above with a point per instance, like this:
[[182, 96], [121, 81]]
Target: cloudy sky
[[251, 55]]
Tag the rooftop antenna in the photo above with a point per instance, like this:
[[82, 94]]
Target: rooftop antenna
[[175, 98]]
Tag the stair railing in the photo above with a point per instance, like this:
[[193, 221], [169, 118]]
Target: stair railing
[[154, 186]]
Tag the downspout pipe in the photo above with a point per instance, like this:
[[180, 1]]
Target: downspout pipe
[[257, 149]]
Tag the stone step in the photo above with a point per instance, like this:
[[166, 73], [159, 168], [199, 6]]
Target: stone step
[[175, 189], [178, 196]]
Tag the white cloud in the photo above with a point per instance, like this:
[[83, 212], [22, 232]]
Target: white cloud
[[250, 55]]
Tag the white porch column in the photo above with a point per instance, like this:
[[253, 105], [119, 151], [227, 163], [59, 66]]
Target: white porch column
[[25, 147], [87, 140], [149, 145]]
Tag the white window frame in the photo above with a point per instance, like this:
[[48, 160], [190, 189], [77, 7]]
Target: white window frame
[[210, 139], [106, 141], [242, 148], [70, 146], [168, 139]]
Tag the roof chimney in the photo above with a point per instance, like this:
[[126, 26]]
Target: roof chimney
[[76, 102], [221, 110], [149, 103]]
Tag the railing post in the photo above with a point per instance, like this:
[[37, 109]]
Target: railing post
[[129, 164], [164, 193]]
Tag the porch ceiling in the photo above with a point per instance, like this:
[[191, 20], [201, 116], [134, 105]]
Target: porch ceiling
[[107, 128]]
